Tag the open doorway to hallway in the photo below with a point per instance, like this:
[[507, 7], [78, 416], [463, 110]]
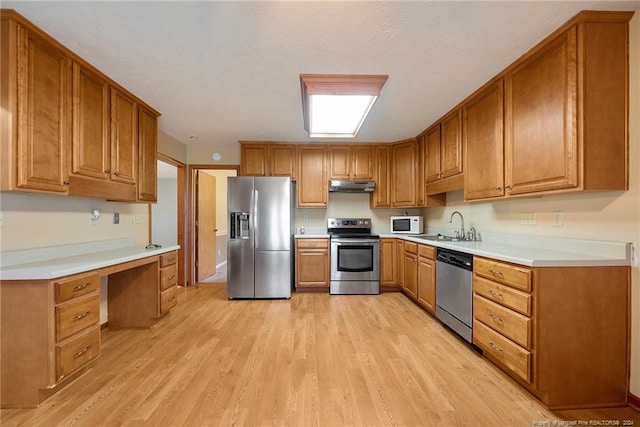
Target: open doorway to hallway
[[208, 222]]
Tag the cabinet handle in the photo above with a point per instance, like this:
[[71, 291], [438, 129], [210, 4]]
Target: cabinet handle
[[116, 173], [496, 272], [81, 352], [498, 188], [171, 260], [172, 299], [507, 187], [65, 182], [81, 316], [495, 347], [81, 287], [495, 318], [496, 294], [107, 171], [172, 277]]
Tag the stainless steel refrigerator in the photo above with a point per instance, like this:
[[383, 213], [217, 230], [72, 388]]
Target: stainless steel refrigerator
[[259, 237]]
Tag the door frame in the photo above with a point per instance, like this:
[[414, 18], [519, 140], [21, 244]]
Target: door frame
[[182, 237], [191, 254]]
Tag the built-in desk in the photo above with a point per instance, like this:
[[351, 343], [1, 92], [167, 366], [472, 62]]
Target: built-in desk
[[50, 302]]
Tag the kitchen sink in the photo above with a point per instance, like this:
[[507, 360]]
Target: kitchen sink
[[439, 237]]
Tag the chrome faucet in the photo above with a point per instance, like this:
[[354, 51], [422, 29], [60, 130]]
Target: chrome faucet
[[461, 232]]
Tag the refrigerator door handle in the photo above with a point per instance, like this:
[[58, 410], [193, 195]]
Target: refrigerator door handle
[[254, 207]]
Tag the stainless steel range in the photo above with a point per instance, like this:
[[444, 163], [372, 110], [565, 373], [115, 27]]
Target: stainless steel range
[[355, 257]]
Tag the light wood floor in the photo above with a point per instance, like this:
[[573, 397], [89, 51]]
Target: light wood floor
[[313, 360]]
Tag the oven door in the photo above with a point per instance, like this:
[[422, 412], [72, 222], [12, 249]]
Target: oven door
[[355, 259]]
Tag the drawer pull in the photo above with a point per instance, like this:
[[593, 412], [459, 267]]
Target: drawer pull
[[81, 316], [172, 277], [496, 272], [495, 347], [81, 352], [495, 318], [496, 293], [81, 287], [171, 260], [172, 299]]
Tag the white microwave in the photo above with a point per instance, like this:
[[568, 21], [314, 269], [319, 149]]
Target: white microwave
[[406, 224]]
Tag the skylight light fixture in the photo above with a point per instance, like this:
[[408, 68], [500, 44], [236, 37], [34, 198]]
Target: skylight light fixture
[[336, 105]]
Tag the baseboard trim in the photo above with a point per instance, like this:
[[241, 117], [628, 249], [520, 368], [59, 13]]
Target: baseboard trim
[[634, 402], [221, 264]]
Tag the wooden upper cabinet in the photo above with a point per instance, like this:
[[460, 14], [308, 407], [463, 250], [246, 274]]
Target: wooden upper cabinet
[[124, 137], [36, 112], [421, 159], [381, 195], [350, 161], [339, 161], [312, 188], [433, 165], [404, 176], [147, 159], [253, 160], [91, 118], [540, 115], [483, 144], [451, 144], [283, 160]]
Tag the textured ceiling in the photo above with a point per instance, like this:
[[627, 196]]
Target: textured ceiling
[[229, 71]]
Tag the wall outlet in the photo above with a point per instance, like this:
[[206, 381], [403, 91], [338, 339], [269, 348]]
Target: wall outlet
[[528, 218], [137, 219], [305, 218], [557, 219], [116, 218]]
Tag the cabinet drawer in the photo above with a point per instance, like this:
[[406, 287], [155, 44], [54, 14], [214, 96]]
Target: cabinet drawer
[[168, 299], [75, 286], [508, 353], [509, 323], [168, 276], [168, 259], [411, 247], [427, 251], [77, 315], [511, 275], [312, 243], [505, 295], [77, 352]]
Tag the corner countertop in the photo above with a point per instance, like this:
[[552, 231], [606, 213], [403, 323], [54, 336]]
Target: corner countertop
[[539, 251], [58, 261]]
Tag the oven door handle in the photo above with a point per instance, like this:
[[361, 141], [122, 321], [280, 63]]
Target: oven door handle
[[352, 243]]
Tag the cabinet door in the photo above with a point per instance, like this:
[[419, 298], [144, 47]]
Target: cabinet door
[[483, 144], [399, 260], [44, 114], [426, 293], [404, 176], [421, 158], [312, 267], [253, 160], [339, 161], [91, 145], [433, 166], [381, 195], [312, 176], [451, 144], [124, 137], [410, 284], [362, 161], [540, 114], [147, 161], [387, 255], [283, 160]]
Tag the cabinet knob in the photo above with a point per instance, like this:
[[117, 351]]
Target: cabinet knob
[[116, 173], [498, 188], [506, 187], [107, 171], [65, 182]]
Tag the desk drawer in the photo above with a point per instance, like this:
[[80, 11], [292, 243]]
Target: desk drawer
[[168, 277], [75, 286], [427, 251], [168, 259], [77, 315], [502, 294], [77, 352], [509, 354], [518, 277], [168, 299], [312, 243], [513, 325]]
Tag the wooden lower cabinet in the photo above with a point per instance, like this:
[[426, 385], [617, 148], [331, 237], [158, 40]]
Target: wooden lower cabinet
[[426, 292], [168, 282], [312, 264], [561, 332], [410, 283], [387, 262]]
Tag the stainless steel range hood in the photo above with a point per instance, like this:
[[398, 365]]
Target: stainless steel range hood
[[351, 186]]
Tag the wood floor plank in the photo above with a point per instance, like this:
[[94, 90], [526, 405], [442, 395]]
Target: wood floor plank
[[313, 360]]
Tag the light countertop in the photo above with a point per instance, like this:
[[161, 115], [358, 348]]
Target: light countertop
[[58, 261]]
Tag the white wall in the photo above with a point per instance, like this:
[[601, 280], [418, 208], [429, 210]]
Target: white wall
[[34, 220], [164, 224]]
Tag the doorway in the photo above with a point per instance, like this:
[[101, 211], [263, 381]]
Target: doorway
[[168, 214], [208, 222]]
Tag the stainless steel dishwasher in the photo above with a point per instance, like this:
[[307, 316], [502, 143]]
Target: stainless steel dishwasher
[[454, 271]]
